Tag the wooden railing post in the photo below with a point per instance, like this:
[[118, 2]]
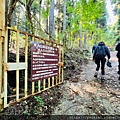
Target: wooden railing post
[[2, 27], [2, 14]]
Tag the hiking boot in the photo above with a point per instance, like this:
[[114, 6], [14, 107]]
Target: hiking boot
[[102, 79], [119, 78], [96, 74], [118, 72]]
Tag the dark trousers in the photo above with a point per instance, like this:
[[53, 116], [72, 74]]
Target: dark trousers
[[119, 66], [100, 62]]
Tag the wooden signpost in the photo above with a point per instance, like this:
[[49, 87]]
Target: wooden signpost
[[44, 61]]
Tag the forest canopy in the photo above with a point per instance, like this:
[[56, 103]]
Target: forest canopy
[[74, 23]]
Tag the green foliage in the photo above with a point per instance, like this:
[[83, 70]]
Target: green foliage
[[87, 16], [13, 39], [26, 112], [39, 100], [83, 16], [45, 12]]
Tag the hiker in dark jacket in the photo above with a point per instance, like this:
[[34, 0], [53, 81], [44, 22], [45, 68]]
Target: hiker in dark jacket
[[101, 59], [118, 56], [94, 47]]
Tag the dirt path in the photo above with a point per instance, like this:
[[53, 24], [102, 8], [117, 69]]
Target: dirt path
[[88, 96]]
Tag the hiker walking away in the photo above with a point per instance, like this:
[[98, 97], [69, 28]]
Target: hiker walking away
[[94, 47], [99, 57], [117, 48]]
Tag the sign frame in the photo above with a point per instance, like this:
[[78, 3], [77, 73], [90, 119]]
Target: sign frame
[[44, 61]]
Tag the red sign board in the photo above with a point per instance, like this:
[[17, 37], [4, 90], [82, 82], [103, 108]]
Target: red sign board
[[44, 61]]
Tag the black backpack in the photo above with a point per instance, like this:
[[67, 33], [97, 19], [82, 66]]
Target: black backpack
[[118, 54], [100, 52]]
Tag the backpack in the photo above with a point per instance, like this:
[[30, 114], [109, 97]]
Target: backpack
[[100, 52], [118, 55]]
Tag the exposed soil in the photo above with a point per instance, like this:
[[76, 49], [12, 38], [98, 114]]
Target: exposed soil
[[87, 96], [41, 104], [80, 94], [44, 103]]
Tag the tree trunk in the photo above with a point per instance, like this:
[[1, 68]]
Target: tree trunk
[[47, 20], [11, 10], [64, 21], [51, 20], [28, 13], [64, 16]]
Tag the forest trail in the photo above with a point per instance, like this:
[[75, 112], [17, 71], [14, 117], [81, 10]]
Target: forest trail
[[88, 96]]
